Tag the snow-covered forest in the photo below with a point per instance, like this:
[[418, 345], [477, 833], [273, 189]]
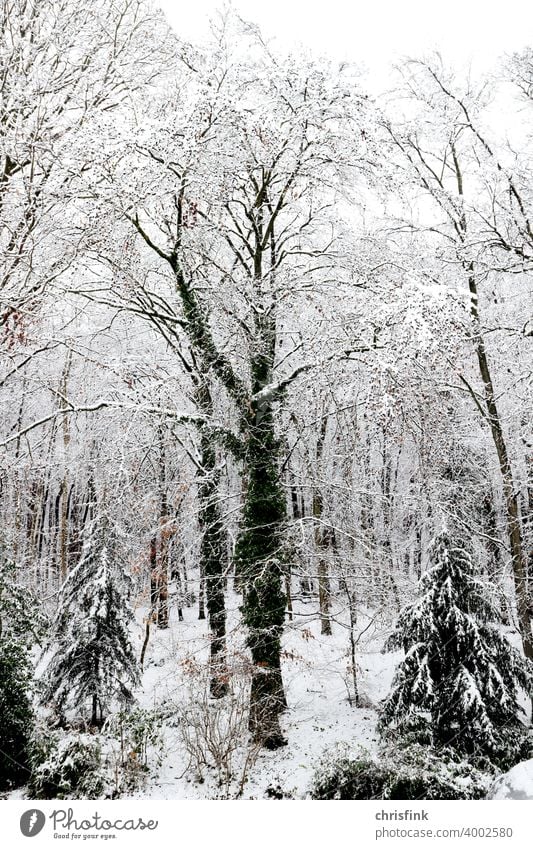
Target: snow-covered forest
[[266, 381]]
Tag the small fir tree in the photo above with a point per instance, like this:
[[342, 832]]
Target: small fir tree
[[92, 662], [460, 680]]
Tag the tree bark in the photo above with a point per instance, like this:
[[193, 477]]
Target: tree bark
[[64, 531], [322, 548], [212, 566], [321, 540], [164, 536], [510, 490], [258, 555]]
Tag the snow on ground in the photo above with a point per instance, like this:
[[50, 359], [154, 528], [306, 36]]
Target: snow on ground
[[317, 679], [515, 784]]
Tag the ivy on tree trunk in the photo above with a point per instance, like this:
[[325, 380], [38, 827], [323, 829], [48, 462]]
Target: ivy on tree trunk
[[259, 563]]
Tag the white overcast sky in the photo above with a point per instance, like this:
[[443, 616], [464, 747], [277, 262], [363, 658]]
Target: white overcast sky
[[376, 32]]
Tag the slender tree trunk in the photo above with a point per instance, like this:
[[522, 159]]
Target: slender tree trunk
[[212, 560], [162, 610], [288, 591], [212, 554], [510, 488], [528, 524], [201, 591], [417, 555], [175, 575], [306, 587], [322, 548], [63, 534], [165, 531], [54, 530], [154, 599], [387, 513], [321, 540], [17, 476], [154, 582], [353, 653]]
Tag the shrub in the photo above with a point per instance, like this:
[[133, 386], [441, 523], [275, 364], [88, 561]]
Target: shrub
[[15, 712], [133, 744], [214, 732], [417, 772], [67, 767], [75, 765], [512, 745]]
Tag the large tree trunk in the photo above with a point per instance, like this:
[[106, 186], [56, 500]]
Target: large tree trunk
[[259, 559], [257, 552], [259, 545]]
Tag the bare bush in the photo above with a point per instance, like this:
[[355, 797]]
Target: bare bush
[[214, 732]]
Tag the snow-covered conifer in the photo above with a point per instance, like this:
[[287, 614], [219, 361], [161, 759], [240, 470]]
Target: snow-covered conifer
[[92, 662], [460, 679]]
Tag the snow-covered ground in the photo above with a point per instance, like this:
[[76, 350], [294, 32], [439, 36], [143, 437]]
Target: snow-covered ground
[[515, 784], [317, 677]]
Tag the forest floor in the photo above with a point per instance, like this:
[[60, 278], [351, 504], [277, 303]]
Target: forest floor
[[318, 681]]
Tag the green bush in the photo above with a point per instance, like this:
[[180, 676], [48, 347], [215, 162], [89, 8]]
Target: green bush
[[512, 745], [138, 731], [15, 712], [67, 767], [73, 765], [133, 747], [417, 772]]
